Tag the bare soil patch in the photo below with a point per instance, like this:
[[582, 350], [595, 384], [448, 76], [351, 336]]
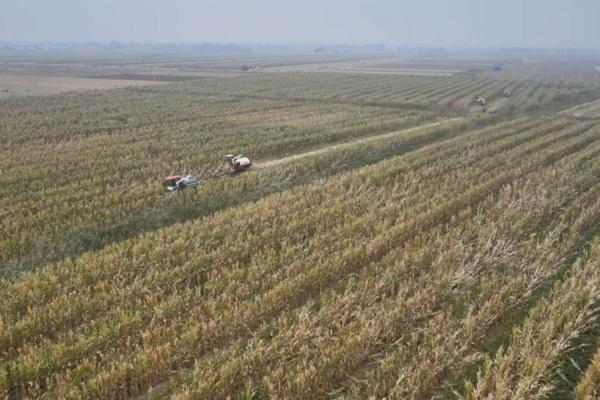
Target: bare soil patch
[[31, 85]]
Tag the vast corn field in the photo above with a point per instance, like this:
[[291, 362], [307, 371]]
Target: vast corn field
[[392, 239]]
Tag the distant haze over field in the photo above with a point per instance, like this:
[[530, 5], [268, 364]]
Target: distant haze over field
[[458, 23]]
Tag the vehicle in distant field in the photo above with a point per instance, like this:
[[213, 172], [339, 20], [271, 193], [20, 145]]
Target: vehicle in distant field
[[178, 183], [246, 68], [507, 92], [479, 100], [238, 163], [496, 67]]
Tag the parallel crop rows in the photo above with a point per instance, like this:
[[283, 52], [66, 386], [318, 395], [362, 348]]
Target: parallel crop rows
[[67, 186], [216, 307], [444, 95], [545, 350], [357, 259]]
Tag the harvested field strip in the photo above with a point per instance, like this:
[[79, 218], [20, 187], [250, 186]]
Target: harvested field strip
[[591, 109], [341, 146]]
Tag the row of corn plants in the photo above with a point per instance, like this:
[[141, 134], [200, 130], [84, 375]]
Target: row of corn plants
[[543, 356]]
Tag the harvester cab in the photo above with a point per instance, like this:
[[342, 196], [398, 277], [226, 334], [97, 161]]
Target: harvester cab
[[507, 92], [238, 163], [178, 183]]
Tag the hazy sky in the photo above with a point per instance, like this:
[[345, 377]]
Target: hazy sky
[[450, 23]]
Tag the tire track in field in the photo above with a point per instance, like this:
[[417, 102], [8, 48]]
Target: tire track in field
[[587, 109], [341, 146]]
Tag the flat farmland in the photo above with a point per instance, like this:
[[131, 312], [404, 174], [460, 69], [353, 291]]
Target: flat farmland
[[32, 85], [391, 240]]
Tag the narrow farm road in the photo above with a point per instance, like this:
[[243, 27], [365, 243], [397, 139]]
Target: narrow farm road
[[587, 109], [271, 163]]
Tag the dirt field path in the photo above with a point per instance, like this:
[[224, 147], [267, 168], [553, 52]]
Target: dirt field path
[[271, 163], [589, 109], [499, 104]]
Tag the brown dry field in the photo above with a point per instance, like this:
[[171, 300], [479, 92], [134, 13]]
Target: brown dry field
[[31, 85]]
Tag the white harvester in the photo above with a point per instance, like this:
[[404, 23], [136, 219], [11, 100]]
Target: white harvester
[[238, 163], [480, 100], [178, 183], [507, 92]]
